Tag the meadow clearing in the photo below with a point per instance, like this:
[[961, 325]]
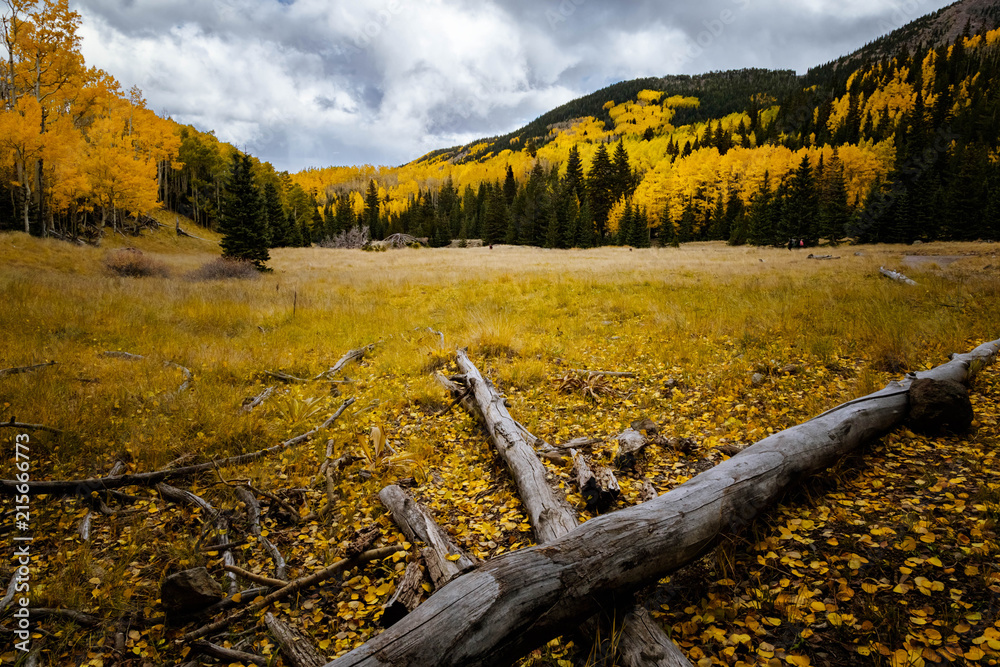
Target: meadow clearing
[[891, 556]]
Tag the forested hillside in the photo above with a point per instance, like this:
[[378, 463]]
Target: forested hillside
[[871, 148], [895, 142]]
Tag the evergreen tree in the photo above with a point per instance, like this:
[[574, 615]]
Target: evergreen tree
[[759, 224], [242, 221], [685, 227], [509, 187], [586, 232], [574, 173], [495, 216], [626, 227], [623, 178], [639, 238], [277, 223], [600, 190], [344, 215], [371, 213], [802, 204], [835, 212]]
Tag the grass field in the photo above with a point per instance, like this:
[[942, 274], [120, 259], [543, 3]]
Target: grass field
[[694, 324]]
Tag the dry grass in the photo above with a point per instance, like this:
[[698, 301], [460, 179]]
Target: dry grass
[[705, 315]]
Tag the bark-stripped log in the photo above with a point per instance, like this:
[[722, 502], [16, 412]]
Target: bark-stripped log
[[550, 516], [253, 511], [220, 522], [630, 443], [353, 355], [407, 595], [643, 642], [598, 486], [518, 601], [30, 427], [85, 486], [418, 525], [897, 276], [25, 369], [295, 646], [293, 587]]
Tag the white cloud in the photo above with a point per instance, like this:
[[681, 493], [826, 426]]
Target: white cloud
[[317, 82]]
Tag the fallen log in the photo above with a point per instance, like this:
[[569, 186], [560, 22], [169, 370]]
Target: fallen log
[[550, 516], [295, 646], [560, 453], [445, 560], [256, 400], [293, 587], [86, 486], [895, 275], [221, 523], [643, 642], [520, 600], [25, 369], [630, 444], [84, 529], [407, 595], [181, 232], [228, 654], [254, 577], [253, 511], [598, 487], [77, 617], [30, 427], [352, 355]]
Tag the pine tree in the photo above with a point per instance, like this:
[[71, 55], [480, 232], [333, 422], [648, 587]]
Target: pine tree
[[623, 178], [585, 233], [277, 223], [509, 187], [835, 212], [600, 190], [574, 173], [639, 237], [242, 223], [495, 216], [371, 213]]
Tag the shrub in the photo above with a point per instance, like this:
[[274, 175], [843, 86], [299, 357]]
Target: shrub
[[350, 239], [132, 263], [224, 268]]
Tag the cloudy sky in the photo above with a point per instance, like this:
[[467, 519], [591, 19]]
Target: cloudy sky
[[305, 83]]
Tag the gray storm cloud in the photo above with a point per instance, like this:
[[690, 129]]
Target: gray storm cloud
[[305, 83]]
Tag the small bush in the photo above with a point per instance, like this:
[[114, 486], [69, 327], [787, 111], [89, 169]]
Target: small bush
[[223, 268], [132, 263]]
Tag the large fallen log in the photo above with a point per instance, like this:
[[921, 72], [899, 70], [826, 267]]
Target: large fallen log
[[85, 486], [295, 646], [445, 560], [520, 600], [550, 516]]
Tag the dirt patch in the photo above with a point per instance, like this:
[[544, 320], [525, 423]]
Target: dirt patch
[[920, 261]]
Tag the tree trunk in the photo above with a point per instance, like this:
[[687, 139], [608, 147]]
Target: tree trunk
[[295, 646], [418, 525], [550, 516], [553, 517], [407, 595], [520, 600]]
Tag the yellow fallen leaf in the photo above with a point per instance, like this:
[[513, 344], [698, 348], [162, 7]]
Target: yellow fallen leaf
[[454, 557]]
